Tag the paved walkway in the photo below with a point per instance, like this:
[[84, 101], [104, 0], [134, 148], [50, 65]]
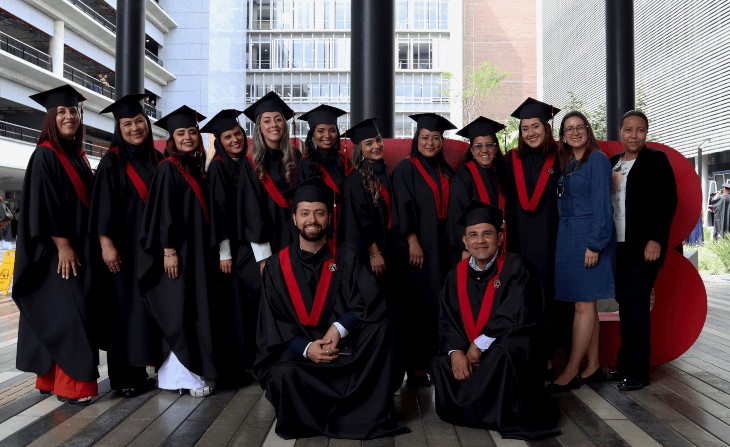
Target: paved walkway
[[687, 403]]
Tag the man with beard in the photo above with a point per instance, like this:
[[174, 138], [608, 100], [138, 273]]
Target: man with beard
[[489, 371], [325, 350]]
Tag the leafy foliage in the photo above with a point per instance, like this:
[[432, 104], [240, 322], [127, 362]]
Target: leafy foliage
[[480, 89], [714, 255]]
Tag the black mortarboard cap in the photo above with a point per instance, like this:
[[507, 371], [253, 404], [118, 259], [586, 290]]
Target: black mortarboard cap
[[312, 190], [726, 185], [532, 108], [63, 96], [182, 118], [479, 212], [432, 122], [481, 127], [363, 130], [270, 102], [322, 114], [128, 106], [223, 121]]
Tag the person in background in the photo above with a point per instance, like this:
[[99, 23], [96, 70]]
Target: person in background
[[421, 194], [643, 240], [721, 211], [51, 282], [585, 253], [6, 234], [175, 271]]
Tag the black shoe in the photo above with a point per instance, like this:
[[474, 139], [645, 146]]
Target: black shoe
[[45, 392], [631, 385], [415, 381], [150, 383], [80, 403], [130, 392], [597, 377], [574, 384], [615, 376]]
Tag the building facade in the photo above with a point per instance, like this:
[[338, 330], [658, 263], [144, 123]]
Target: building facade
[[301, 50], [682, 64]]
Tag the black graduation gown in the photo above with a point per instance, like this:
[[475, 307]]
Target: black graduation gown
[[464, 190], [721, 216], [506, 391], [350, 397], [174, 217], [335, 167], [54, 316], [116, 212], [415, 207], [535, 233], [262, 219], [235, 308]]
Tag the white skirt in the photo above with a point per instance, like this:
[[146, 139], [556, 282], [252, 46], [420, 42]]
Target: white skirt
[[172, 375]]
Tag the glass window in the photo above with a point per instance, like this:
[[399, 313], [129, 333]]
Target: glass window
[[342, 14], [265, 56], [308, 53], [444, 16], [345, 90], [342, 54], [305, 14], [403, 55], [402, 15], [323, 53], [298, 60], [399, 88], [419, 14], [327, 14], [315, 91], [422, 55], [433, 17], [335, 90], [408, 90]]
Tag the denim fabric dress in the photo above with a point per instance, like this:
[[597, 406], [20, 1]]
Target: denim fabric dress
[[586, 221]]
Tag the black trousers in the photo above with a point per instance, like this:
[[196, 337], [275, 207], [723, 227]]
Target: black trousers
[[634, 283], [121, 374]]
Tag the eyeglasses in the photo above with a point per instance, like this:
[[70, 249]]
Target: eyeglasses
[[479, 146], [579, 129]]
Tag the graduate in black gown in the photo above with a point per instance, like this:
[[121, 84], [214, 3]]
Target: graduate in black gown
[[176, 271], [325, 349], [52, 275], [266, 172], [489, 370], [123, 177], [235, 308], [323, 157], [478, 178], [421, 194], [534, 171]]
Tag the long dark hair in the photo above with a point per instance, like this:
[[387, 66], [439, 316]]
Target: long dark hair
[[49, 132], [172, 152], [498, 163], [119, 141], [439, 157], [565, 151], [548, 145], [258, 151], [371, 182], [313, 153]]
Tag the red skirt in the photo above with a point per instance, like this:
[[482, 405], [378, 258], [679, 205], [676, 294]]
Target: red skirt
[[62, 385]]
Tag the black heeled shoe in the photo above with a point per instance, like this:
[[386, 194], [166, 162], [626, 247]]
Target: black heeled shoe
[[598, 376], [77, 402], [45, 392], [574, 384], [615, 376]]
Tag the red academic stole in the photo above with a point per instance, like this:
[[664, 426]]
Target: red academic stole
[[386, 198], [322, 288], [483, 195], [136, 179], [271, 188], [72, 174], [473, 330], [547, 169], [442, 206], [193, 184], [218, 157]]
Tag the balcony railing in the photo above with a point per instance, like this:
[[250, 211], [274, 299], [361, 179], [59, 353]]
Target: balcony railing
[[23, 51], [90, 82], [152, 56], [91, 11], [16, 132], [94, 150], [152, 111]]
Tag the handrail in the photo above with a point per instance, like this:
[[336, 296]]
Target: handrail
[[89, 11], [152, 111], [152, 56], [94, 150], [16, 132], [17, 48], [79, 77]]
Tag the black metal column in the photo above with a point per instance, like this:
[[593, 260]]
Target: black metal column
[[373, 63], [620, 81], [129, 65]]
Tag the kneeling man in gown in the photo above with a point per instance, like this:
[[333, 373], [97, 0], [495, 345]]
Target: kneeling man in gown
[[325, 350], [489, 371]]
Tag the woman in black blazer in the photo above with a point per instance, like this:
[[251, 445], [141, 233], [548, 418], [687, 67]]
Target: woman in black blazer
[[642, 218]]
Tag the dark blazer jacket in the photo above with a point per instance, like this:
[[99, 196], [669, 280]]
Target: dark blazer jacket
[[651, 200]]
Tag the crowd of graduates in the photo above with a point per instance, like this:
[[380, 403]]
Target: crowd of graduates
[[325, 277]]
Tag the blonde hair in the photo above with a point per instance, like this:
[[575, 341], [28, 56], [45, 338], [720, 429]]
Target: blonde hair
[[258, 151]]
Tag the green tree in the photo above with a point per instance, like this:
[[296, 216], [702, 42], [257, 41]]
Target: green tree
[[479, 89]]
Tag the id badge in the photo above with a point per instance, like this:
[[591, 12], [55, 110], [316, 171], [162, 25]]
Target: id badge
[[561, 190]]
